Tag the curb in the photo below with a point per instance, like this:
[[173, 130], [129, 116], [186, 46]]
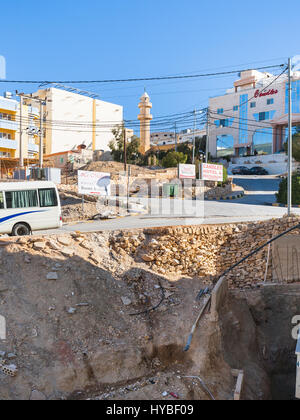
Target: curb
[[230, 197], [296, 206]]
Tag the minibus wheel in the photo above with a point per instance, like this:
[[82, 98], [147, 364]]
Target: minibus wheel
[[21, 229]]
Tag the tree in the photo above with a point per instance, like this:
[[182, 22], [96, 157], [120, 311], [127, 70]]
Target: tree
[[296, 146], [117, 146], [172, 159], [187, 148]]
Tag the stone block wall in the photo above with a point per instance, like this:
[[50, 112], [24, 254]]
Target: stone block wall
[[205, 251]]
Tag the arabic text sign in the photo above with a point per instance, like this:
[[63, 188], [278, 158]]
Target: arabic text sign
[[94, 183], [187, 171], [212, 172]]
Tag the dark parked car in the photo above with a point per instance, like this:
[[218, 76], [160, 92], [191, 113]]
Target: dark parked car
[[257, 170], [241, 170]]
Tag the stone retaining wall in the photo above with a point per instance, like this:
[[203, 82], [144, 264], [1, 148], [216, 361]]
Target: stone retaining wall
[[205, 251]]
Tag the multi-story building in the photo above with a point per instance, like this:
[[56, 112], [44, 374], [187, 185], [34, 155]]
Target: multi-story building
[[8, 127], [71, 118], [165, 140], [252, 117]]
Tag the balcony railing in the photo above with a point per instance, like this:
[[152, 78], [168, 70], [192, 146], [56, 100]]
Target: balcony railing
[[9, 144], [33, 148], [33, 112], [9, 105], [8, 125]]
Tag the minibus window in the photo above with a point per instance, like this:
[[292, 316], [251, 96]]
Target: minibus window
[[48, 197], [21, 199], [1, 200]]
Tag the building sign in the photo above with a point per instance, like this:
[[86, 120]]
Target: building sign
[[212, 172], [259, 94], [94, 183], [186, 171]]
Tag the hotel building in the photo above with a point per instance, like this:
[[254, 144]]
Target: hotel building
[[252, 117]]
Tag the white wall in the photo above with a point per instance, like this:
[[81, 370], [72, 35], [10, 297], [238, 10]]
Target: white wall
[[274, 164], [70, 117]]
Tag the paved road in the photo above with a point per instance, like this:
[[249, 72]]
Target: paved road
[[259, 190]]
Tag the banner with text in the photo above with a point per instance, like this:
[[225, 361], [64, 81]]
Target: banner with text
[[186, 171], [94, 183], [212, 172]]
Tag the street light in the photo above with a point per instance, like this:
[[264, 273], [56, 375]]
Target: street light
[[201, 157]]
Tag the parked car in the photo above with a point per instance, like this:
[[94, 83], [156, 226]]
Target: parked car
[[241, 170], [257, 170]]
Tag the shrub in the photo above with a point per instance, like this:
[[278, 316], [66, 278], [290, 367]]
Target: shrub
[[282, 193], [172, 159]]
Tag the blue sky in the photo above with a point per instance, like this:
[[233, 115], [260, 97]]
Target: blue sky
[[95, 39]]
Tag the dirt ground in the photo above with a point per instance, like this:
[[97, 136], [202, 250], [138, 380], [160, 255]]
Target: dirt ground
[[73, 209], [86, 322], [71, 305]]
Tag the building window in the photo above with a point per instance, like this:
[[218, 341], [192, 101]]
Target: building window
[[61, 160], [236, 108], [5, 136], [263, 140], [8, 117], [225, 146], [270, 101], [263, 116], [253, 105], [220, 110]]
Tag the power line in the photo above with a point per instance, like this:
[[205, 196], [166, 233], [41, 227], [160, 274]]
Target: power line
[[136, 79]]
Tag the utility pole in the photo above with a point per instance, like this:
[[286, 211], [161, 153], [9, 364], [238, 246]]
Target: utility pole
[[125, 148], [41, 160], [21, 157], [175, 137], [194, 137], [290, 142], [42, 102], [207, 137]]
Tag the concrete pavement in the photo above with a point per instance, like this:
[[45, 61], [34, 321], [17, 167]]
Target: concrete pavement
[[259, 191]]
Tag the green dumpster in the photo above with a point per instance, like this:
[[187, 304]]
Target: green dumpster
[[170, 190]]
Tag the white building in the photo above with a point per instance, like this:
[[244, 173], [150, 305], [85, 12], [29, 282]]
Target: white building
[[252, 117], [166, 138], [71, 118]]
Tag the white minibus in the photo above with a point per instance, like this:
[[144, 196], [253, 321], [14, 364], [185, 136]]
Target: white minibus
[[28, 206]]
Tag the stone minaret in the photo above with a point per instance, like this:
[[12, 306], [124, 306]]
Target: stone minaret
[[145, 117]]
